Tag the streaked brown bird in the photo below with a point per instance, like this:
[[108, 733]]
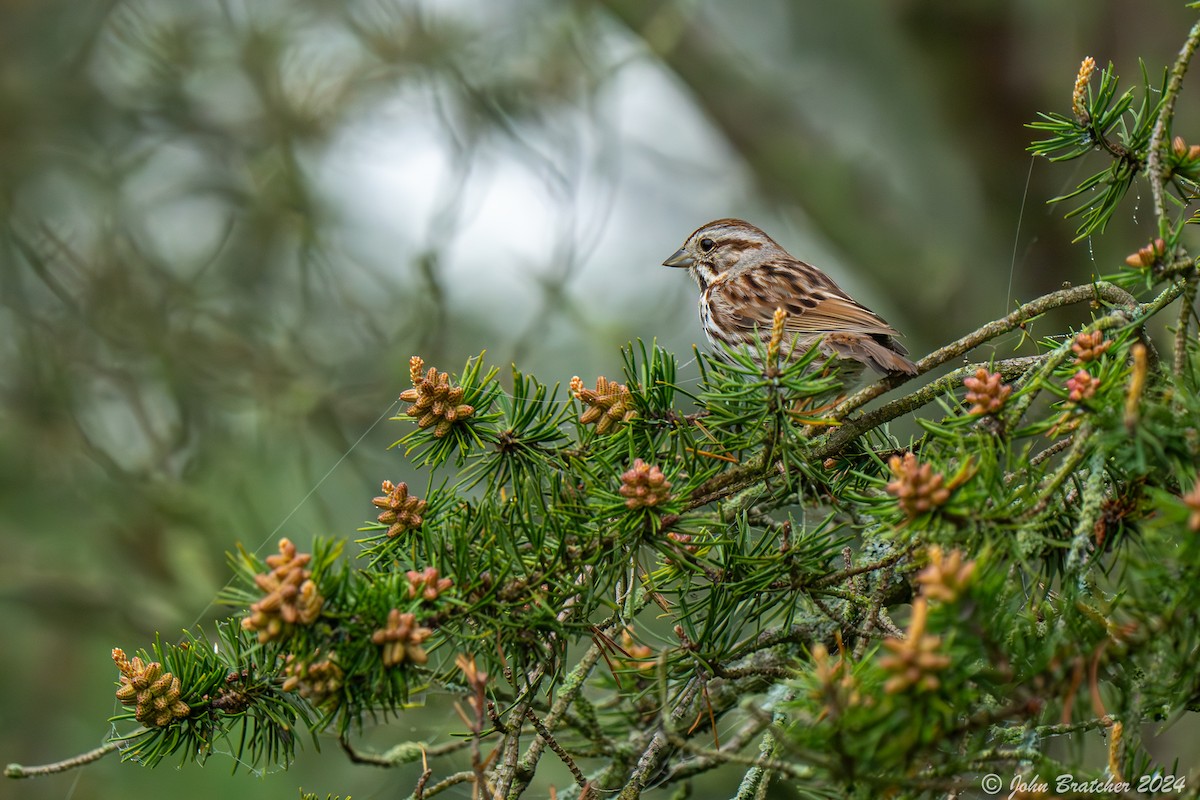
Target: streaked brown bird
[[744, 276]]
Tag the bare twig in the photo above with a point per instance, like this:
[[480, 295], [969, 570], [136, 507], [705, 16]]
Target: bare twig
[[785, 768], [552, 743], [506, 771], [403, 753], [466, 776], [426, 774], [715, 758], [1089, 513], [655, 746], [21, 771], [1049, 452]]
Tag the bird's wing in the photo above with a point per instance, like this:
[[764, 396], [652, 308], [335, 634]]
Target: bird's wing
[[814, 303], [834, 313]]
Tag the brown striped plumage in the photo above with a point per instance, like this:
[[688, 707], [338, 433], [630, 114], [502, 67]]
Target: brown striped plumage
[[744, 276]]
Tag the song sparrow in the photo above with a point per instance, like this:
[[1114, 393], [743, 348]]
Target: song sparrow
[[744, 276]]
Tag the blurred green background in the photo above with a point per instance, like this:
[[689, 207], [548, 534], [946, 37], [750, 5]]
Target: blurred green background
[[225, 226]]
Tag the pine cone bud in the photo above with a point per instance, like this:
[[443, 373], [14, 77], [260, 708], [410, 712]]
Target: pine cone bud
[[154, 694], [914, 661], [916, 487], [402, 512], [318, 680], [401, 639], [1147, 256], [1185, 153], [684, 540], [287, 559], [946, 576], [1079, 94], [427, 583], [606, 405], [1082, 386], [290, 596], [836, 683], [985, 392], [434, 401], [778, 324], [1089, 346], [644, 486]]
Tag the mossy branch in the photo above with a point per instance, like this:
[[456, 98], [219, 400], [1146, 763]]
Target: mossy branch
[[1094, 292], [1157, 148]]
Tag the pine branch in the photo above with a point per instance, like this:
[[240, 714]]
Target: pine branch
[[882, 616]]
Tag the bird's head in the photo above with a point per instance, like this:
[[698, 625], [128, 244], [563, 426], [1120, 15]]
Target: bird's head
[[722, 246]]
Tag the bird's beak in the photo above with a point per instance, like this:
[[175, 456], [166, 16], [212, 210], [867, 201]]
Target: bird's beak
[[679, 258]]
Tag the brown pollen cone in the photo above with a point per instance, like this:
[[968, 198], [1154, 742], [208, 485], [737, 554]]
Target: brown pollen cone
[[916, 487], [434, 401], [606, 405], [401, 639], [290, 595], [154, 694], [985, 392], [317, 679], [427, 583], [914, 661], [401, 511], [1082, 386], [1089, 346], [947, 575], [1147, 256], [644, 486]]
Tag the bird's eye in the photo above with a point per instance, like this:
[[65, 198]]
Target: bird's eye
[[707, 244]]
